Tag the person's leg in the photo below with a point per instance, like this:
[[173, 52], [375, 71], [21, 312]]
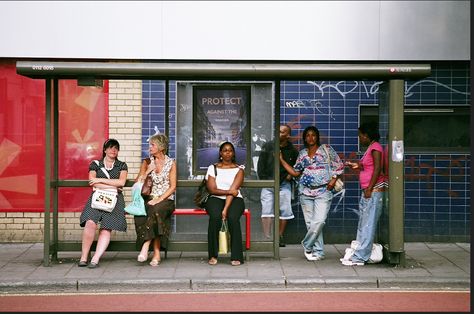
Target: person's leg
[[88, 235], [143, 256], [286, 212], [156, 259], [307, 207], [322, 204], [266, 199], [214, 208], [363, 202], [370, 211], [282, 226], [236, 210], [102, 244]]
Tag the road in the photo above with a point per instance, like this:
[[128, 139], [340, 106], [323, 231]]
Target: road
[[250, 301]]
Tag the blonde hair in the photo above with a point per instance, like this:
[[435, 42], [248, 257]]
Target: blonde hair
[[161, 142]]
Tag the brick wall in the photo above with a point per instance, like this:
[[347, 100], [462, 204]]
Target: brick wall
[[125, 115]]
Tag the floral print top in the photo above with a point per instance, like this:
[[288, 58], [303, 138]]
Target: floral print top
[[316, 172], [161, 180]]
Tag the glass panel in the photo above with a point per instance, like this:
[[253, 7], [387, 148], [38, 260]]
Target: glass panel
[[22, 125], [420, 136], [262, 124], [83, 128]]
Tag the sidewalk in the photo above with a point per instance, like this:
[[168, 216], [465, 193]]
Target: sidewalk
[[433, 266]]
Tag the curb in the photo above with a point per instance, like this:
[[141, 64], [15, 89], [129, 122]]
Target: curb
[[425, 283], [175, 285], [237, 284]]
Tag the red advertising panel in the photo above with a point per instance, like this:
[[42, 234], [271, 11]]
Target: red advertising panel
[[83, 126]]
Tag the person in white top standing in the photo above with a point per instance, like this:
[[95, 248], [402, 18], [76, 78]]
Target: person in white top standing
[[225, 203]]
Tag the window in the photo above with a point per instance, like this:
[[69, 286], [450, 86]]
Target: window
[[431, 128]]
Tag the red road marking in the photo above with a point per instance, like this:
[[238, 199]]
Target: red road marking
[[252, 301]]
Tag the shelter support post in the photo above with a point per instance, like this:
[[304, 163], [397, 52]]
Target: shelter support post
[[47, 175], [276, 180], [394, 248]]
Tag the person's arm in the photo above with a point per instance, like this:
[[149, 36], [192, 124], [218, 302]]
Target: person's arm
[[212, 187], [292, 156], [377, 158], [291, 171], [262, 163], [171, 189], [336, 167], [104, 183], [145, 168], [236, 184]]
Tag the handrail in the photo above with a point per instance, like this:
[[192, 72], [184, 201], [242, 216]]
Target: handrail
[[181, 183]]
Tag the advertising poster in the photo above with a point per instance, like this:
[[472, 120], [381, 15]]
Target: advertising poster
[[83, 126], [220, 114]]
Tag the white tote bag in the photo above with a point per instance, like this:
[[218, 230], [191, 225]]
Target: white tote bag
[[104, 200]]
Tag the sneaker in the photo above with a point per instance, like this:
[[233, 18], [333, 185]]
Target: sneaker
[[318, 257], [310, 257], [352, 263], [282, 242]]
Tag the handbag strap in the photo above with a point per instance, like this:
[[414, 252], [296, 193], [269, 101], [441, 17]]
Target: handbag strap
[[108, 177], [329, 159], [103, 169], [224, 226]]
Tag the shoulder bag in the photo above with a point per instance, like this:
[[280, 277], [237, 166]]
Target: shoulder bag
[[147, 184], [202, 194]]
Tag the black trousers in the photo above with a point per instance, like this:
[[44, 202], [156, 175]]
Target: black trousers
[[214, 207]]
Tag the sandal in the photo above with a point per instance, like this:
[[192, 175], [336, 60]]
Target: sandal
[[212, 261], [142, 258], [155, 262], [235, 263], [82, 264]]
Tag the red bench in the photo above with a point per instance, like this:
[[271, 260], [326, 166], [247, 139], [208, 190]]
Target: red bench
[[197, 211]]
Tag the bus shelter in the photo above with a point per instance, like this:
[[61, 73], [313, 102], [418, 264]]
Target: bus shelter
[[391, 109]]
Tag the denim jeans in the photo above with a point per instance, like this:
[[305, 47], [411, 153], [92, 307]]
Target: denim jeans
[[315, 211], [370, 210], [267, 198]]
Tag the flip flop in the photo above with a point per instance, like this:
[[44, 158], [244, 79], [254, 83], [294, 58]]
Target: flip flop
[[212, 261], [155, 262]]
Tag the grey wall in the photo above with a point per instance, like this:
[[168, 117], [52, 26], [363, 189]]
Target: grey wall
[[237, 30]]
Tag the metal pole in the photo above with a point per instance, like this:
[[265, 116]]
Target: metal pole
[[55, 174], [167, 109], [396, 176], [276, 177], [47, 174]]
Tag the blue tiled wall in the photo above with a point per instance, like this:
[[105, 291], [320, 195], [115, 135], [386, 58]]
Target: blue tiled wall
[[437, 186]]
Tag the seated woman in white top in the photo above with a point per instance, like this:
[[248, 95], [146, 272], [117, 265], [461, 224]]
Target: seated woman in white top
[[225, 202]]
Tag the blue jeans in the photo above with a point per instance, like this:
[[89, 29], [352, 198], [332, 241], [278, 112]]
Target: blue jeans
[[370, 210], [315, 211]]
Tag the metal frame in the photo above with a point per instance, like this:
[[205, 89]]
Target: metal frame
[[273, 71]]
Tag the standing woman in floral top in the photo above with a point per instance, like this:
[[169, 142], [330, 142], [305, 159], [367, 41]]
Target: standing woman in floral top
[[317, 174], [160, 204]]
